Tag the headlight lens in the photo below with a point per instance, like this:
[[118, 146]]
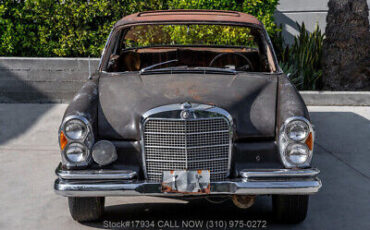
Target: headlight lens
[[297, 130], [104, 152], [296, 142], [297, 153], [75, 129], [76, 139], [76, 153]]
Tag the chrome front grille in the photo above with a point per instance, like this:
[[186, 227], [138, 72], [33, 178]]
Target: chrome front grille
[[180, 144]]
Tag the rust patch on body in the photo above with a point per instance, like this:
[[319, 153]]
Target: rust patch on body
[[168, 189], [194, 93]]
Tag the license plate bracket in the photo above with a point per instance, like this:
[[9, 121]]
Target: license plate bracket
[[186, 181]]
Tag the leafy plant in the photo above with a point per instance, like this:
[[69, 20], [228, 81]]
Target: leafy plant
[[146, 35], [302, 60], [262, 9], [72, 28]]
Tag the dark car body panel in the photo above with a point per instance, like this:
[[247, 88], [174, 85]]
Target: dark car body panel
[[85, 103], [249, 97], [251, 149], [290, 102]]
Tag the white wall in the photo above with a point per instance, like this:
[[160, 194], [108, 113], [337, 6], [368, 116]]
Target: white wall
[[311, 12]]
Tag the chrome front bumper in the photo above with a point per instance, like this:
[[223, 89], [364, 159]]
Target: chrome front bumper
[[86, 183]]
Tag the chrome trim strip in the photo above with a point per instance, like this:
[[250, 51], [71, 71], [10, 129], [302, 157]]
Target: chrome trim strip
[[102, 174], [259, 173], [194, 106], [218, 131], [186, 146], [157, 160], [142, 146], [193, 147], [202, 160], [141, 188], [218, 172], [181, 119]]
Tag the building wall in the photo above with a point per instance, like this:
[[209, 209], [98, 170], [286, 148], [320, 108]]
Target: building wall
[[311, 12]]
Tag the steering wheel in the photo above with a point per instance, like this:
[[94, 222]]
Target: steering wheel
[[251, 67]]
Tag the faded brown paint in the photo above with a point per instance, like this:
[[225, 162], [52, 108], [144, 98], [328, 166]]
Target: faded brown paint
[[221, 16], [192, 89], [193, 93]]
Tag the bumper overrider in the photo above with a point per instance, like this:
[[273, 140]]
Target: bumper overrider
[[94, 183]]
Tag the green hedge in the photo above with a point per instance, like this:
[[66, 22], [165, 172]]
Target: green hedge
[[70, 28]]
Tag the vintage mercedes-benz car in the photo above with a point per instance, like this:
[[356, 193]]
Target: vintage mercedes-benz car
[[187, 103]]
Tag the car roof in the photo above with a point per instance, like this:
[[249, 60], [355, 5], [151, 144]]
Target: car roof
[[192, 16]]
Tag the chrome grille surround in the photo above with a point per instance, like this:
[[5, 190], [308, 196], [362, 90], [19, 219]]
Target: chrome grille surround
[[201, 141]]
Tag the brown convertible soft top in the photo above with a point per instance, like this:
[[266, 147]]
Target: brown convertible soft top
[[212, 16]]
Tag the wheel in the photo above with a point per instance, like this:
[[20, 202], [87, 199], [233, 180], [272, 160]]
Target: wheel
[[86, 208], [290, 209]]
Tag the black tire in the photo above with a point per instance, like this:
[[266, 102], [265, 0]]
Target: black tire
[[290, 209], [86, 208]]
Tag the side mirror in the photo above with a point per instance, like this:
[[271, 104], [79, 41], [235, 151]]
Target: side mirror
[[288, 75]]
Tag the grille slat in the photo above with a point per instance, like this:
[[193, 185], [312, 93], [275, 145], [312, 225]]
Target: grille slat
[[176, 144], [217, 131]]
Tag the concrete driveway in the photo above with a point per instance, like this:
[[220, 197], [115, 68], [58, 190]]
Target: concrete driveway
[[29, 155]]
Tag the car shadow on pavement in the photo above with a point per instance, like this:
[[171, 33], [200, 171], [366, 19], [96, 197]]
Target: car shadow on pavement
[[345, 136], [17, 119], [15, 88], [35, 80]]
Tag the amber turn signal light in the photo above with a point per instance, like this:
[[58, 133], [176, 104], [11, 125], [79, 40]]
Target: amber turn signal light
[[309, 141], [62, 140]]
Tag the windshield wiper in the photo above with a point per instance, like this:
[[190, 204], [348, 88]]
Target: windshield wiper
[[216, 69], [157, 64], [201, 70]]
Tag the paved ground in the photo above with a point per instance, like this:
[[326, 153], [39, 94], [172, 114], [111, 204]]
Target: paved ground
[[29, 154]]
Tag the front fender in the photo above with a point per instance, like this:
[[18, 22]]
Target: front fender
[[289, 103], [85, 103]]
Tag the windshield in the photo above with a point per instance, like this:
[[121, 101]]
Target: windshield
[[193, 35], [239, 48]]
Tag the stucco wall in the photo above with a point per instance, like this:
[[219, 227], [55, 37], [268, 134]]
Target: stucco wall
[[42, 79], [311, 12]]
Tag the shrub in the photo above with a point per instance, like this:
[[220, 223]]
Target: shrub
[[303, 58], [61, 27], [80, 27], [262, 9]]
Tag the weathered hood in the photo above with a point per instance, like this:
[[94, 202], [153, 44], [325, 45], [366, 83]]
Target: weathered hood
[[124, 98]]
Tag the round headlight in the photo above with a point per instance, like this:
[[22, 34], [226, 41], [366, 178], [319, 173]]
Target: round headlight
[[75, 129], [297, 153], [297, 130], [76, 153]]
